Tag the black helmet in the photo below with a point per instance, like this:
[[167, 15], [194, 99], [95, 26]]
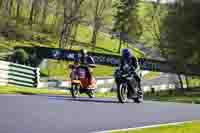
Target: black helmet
[[83, 52], [126, 53]]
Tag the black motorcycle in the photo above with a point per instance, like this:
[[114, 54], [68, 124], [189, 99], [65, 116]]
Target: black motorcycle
[[127, 85]]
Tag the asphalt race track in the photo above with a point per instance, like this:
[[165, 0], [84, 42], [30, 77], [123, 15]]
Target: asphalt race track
[[50, 114]]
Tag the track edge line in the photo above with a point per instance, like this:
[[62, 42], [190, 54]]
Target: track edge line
[[144, 127]]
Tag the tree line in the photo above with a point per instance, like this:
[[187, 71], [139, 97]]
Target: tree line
[[173, 28], [62, 16]]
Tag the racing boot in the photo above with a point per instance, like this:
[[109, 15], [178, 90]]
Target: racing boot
[[140, 93]]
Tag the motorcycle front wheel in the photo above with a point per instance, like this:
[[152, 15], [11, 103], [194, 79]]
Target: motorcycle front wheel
[[122, 91]]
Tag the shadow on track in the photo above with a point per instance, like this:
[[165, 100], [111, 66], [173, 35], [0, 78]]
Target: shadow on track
[[83, 99]]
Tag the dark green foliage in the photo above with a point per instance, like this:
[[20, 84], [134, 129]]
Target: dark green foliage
[[20, 56], [181, 33], [121, 16], [125, 17], [126, 20]]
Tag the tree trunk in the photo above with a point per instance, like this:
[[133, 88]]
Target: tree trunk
[[1, 3], [69, 35], [180, 88], [74, 34], [71, 11], [65, 34], [187, 81], [96, 26], [44, 14], [120, 43], [10, 7], [62, 35], [18, 8], [6, 8], [58, 6], [94, 39], [32, 12], [65, 26]]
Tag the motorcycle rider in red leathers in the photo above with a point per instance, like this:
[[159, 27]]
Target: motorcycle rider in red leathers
[[85, 61]]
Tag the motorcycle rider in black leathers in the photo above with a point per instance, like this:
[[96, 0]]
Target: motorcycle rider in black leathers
[[131, 60]]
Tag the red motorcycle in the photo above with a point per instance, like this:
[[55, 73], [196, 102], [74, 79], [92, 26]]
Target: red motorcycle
[[80, 82]]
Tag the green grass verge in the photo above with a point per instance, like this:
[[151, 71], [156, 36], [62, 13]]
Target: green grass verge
[[182, 128], [28, 90], [151, 75], [194, 82], [43, 91], [187, 97]]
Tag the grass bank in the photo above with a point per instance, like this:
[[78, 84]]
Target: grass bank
[[43, 91], [182, 128], [187, 97], [28, 90]]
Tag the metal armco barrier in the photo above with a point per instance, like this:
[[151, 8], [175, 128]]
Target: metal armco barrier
[[113, 60], [15, 74]]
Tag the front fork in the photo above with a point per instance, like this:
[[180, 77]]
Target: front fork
[[118, 83]]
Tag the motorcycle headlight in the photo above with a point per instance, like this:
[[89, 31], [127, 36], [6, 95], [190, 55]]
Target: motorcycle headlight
[[126, 67]]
